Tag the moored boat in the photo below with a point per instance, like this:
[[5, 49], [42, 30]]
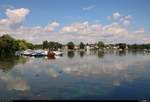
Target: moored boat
[[27, 52], [58, 53], [51, 55]]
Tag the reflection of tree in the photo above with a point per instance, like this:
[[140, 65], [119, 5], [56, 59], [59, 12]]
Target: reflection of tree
[[121, 53], [81, 53], [70, 54], [100, 54], [8, 63], [134, 52]]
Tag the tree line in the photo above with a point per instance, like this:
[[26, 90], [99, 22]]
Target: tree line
[[9, 45]]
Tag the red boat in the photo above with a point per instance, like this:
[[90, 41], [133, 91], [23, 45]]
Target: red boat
[[51, 55]]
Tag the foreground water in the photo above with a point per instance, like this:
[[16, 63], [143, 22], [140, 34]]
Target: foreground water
[[77, 75]]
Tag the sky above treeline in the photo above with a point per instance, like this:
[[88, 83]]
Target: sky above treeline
[[89, 21]]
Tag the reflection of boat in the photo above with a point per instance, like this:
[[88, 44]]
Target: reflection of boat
[[57, 57], [146, 50]]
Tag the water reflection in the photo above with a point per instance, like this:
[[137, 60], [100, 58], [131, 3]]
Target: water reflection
[[81, 53], [8, 63], [52, 72], [14, 81], [110, 65], [121, 53], [51, 58], [18, 84], [87, 74], [71, 54], [100, 54]]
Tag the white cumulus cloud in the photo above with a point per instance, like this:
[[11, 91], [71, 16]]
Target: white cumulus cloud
[[17, 15], [51, 27], [117, 31], [116, 15]]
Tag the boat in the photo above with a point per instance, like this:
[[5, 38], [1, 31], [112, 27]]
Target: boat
[[18, 53], [45, 52], [58, 53], [51, 55], [34, 53], [146, 50], [39, 53], [27, 52]]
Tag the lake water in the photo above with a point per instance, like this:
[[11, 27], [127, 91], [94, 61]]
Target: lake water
[[77, 75]]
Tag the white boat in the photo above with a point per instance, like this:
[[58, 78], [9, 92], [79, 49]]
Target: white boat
[[146, 50], [45, 52], [27, 52], [58, 53], [18, 53], [40, 53]]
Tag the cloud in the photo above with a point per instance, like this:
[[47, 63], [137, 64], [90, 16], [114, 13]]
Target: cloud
[[51, 27], [96, 29], [89, 8], [13, 24], [82, 28], [121, 19], [126, 22], [116, 15], [14, 82], [17, 15], [117, 31], [37, 34], [117, 67], [140, 31], [18, 84], [15, 18]]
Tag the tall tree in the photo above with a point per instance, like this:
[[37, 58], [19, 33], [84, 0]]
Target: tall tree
[[100, 44], [8, 45], [82, 45], [70, 45], [45, 44]]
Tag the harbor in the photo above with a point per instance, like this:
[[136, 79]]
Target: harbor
[[38, 53]]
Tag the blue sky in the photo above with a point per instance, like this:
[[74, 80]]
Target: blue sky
[[68, 12]]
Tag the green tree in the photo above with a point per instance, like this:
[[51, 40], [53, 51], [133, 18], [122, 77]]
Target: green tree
[[70, 45], [122, 46], [30, 45], [22, 44], [45, 44], [82, 45], [8, 45], [54, 45], [100, 44]]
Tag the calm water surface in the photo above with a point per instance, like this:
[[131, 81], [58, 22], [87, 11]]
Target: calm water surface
[[77, 75]]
